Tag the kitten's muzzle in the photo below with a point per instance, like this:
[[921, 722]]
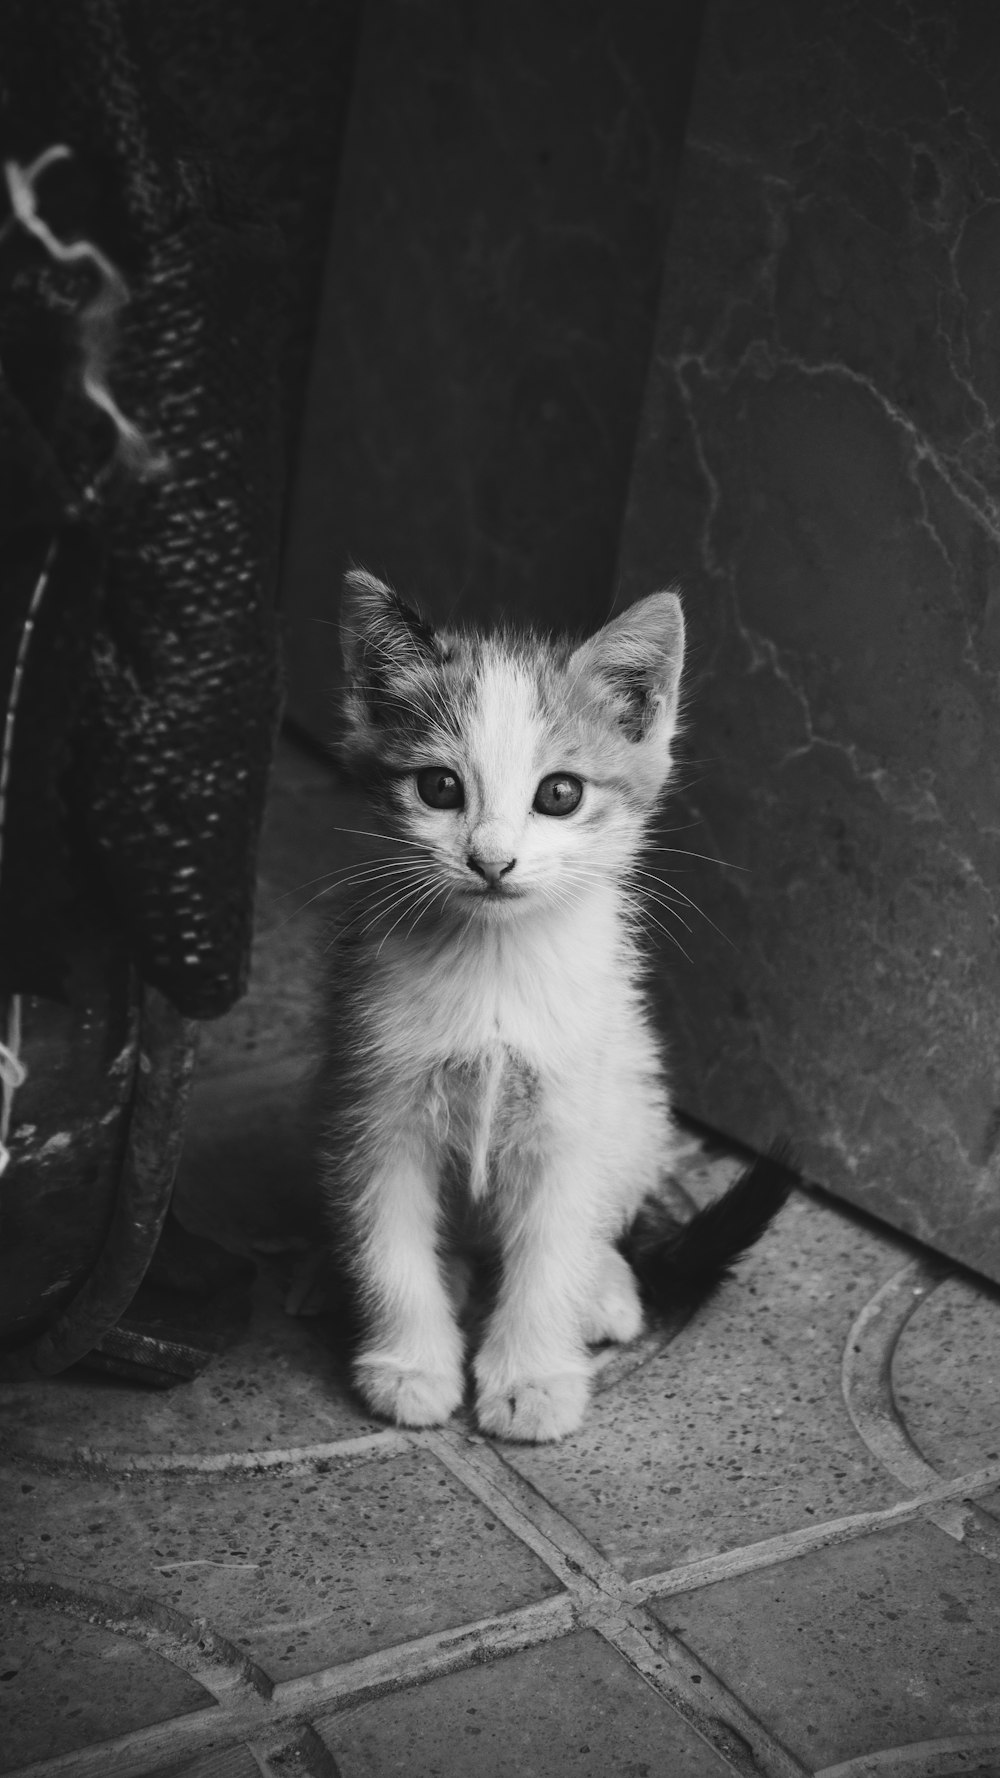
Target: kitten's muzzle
[[492, 870]]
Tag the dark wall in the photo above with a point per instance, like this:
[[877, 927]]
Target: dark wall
[[488, 310], [819, 461]]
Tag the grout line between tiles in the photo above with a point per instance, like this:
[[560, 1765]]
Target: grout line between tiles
[[606, 1603], [787, 1545], [597, 1596], [294, 1702], [698, 1696], [335, 1689], [525, 1512]]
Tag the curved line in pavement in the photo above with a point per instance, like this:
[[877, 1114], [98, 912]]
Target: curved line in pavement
[[922, 1759], [199, 1650], [866, 1380]]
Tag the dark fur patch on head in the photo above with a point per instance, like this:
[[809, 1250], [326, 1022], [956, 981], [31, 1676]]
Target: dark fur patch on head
[[413, 690], [399, 692]]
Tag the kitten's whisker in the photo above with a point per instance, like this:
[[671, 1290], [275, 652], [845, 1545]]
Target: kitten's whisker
[[377, 876], [643, 893], [377, 910], [422, 895], [683, 852], [665, 908], [394, 839], [404, 886], [422, 907], [663, 885], [669, 884], [327, 874], [646, 915], [693, 905], [389, 907]]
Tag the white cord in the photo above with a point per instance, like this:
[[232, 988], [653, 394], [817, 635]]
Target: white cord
[[97, 317], [13, 1074]]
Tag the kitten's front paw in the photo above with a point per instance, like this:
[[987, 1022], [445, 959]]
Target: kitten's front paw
[[535, 1410], [616, 1312], [407, 1396]]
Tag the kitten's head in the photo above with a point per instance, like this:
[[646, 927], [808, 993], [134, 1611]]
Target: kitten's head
[[520, 772]]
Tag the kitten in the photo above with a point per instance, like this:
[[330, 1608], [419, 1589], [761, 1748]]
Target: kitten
[[490, 1067]]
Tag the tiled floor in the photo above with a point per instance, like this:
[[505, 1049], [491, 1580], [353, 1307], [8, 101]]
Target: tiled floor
[[774, 1548]]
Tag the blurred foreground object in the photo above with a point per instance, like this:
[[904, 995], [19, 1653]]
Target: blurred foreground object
[[139, 674]]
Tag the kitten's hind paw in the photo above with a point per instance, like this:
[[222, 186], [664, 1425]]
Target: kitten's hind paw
[[536, 1410], [407, 1397], [615, 1312]]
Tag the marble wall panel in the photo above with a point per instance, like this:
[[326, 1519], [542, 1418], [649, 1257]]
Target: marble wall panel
[[488, 311], [818, 465]]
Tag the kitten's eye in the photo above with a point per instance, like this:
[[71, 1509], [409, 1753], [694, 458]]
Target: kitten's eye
[[558, 794], [439, 788]]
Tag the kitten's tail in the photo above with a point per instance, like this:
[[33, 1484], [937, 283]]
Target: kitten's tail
[[678, 1266]]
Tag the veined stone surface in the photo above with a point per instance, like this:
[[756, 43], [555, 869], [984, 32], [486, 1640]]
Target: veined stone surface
[[818, 467]]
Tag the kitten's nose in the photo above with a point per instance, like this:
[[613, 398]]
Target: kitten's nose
[[490, 869]]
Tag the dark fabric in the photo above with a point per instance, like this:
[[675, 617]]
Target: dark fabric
[[151, 693]]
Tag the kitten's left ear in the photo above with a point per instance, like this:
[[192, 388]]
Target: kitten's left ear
[[379, 632], [639, 656]]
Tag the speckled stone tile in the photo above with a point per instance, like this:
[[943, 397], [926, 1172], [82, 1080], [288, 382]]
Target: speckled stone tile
[[299, 1569], [946, 1376], [236, 1762], [872, 1645], [246, 1172], [737, 1430], [64, 1683], [573, 1706], [281, 1384]]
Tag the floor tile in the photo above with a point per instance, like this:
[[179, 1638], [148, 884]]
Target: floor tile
[[233, 1762], [64, 1682], [876, 1644], [282, 1383], [569, 1707], [246, 1173], [737, 1429], [300, 1570]]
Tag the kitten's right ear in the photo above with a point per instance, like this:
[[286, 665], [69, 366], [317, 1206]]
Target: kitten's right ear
[[379, 633], [639, 657]]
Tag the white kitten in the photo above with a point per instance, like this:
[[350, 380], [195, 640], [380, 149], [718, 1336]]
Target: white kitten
[[491, 1074]]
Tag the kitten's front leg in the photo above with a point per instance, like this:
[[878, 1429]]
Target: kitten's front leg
[[532, 1371], [409, 1366]]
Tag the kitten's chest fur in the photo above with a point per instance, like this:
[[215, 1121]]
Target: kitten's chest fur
[[537, 988], [496, 1036], [484, 1108]]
